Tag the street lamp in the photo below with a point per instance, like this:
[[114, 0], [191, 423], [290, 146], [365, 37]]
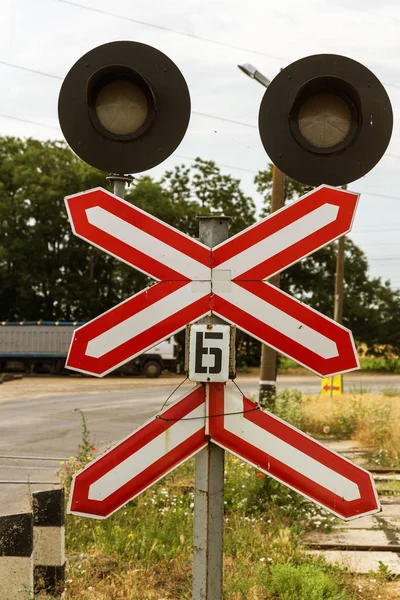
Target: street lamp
[[268, 364], [252, 72]]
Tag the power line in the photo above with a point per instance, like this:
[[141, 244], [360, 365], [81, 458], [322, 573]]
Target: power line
[[219, 164], [170, 30], [13, 118], [381, 244], [207, 115], [27, 121], [177, 155], [372, 228], [380, 195], [190, 35], [383, 258], [194, 112], [8, 64]]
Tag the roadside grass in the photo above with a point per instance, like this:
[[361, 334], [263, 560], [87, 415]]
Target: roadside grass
[[373, 420], [389, 487], [367, 363], [144, 551]]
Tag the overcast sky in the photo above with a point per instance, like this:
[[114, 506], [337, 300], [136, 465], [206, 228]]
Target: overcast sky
[[207, 40]]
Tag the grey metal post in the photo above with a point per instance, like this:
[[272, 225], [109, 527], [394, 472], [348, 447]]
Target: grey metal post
[[119, 183], [209, 476]]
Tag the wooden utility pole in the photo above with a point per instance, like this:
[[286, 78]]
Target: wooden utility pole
[[339, 281], [339, 289], [267, 390]]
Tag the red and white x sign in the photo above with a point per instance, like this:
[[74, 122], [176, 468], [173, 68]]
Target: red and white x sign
[[141, 459], [229, 280], [289, 455], [235, 423]]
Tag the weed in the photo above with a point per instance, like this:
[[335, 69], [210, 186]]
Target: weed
[[374, 420], [390, 392], [383, 573], [289, 407], [359, 389], [324, 417], [84, 455], [304, 582], [287, 363], [144, 551], [388, 487]]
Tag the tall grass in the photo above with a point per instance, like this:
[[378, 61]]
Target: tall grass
[[144, 551], [371, 419]]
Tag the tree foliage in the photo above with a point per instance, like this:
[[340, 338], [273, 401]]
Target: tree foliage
[[48, 273], [371, 309]]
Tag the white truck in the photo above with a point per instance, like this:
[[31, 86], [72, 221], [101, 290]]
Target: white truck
[[42, 347]]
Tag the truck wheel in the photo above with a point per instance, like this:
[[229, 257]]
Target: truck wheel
[[151, 368]]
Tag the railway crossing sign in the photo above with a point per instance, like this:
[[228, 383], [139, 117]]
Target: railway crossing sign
[[289, 455], [215, 412], [141, 459], [229, 280]]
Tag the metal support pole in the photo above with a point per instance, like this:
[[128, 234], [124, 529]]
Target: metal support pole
[[268, 368], [209, 476], [120, 182]]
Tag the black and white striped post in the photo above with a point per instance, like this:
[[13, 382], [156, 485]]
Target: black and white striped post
[[16, 561], [49, 542]]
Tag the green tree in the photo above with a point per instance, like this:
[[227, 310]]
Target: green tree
[[205, 190], [48, 273], [41, 263]]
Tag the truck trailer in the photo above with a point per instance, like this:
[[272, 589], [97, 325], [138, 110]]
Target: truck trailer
[[42, 347]]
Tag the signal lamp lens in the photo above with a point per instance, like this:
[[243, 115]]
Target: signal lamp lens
[[324, 120], [121, 107]]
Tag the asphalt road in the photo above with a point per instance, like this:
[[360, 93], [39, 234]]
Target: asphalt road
[[41, 418]]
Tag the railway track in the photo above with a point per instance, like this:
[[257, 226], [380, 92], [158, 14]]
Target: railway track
[[365, 544], [29, 470]]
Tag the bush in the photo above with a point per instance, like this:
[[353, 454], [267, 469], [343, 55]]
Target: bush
[[289, 407], [388, 365], [304, 582]]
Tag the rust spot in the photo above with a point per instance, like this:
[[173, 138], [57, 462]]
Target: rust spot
[[167, 440]]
